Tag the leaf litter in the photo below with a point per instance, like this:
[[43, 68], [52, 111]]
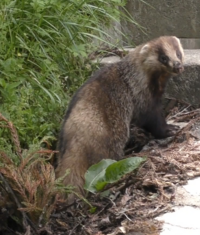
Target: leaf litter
[[139, 197]]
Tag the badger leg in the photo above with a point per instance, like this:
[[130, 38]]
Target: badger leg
[[75, 178], [157, 126]]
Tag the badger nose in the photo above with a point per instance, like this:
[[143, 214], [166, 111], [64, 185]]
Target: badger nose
[[178, 67]]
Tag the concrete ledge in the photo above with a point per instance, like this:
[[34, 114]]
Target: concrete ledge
[[185, 87]]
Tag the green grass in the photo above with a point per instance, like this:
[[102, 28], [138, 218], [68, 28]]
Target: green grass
[[43, 59]]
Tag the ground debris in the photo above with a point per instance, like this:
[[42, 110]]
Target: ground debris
[[139, 198], [135, 201]]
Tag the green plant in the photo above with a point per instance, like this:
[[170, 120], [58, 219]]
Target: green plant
[[109, 171], [44, 59]]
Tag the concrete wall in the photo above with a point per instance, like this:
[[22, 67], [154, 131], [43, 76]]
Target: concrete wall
[[164, 17]]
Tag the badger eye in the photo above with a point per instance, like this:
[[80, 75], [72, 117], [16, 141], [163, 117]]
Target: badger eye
[[164, 59], [178, 54]]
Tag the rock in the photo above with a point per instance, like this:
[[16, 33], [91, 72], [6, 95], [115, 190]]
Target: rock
[[186, 87]]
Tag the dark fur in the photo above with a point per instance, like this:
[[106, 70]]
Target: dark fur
[[97, 122]]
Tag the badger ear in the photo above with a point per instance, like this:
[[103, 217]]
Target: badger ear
[[176, 38], [145, 49], [180, 47]]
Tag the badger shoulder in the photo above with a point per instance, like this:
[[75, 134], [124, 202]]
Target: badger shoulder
[[95, 107]]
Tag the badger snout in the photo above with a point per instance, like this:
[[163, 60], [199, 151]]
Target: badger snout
[[178, 67]]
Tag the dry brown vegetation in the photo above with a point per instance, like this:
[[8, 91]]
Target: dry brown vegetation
[[27, 185]]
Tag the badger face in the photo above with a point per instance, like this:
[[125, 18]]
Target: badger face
[[170, 55], [164, 54]]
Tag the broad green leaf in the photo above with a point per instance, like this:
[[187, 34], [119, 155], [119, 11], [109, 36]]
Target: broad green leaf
[[95, 175], [118, 169], [101, 183], [109, 171]]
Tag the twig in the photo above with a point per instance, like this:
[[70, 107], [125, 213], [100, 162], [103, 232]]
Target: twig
[[158, 211], [44, 211], [129, 182], [186, 128], [169, 117], [104, 208], [79, 223], [185, 116], [123, 213]]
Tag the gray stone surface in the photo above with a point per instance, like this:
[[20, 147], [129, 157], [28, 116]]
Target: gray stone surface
[[183, 221], [193, 187], [190, 43], [185, 87], [185, 218], [162, 17], [108, 60]]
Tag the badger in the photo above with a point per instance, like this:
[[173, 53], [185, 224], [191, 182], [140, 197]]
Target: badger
[[97, 122]]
